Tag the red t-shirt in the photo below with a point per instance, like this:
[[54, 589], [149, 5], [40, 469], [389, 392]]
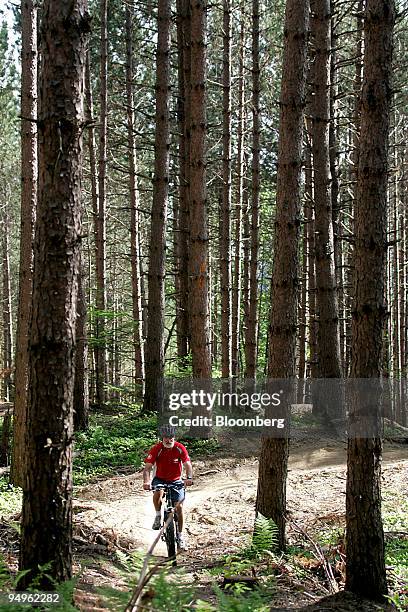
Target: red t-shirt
[[168, 460]]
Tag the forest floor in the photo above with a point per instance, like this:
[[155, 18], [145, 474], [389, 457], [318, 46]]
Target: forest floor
[[114, 514], [219, 508]]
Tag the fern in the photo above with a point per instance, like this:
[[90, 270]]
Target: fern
[[171, 594], [265, 536], [248, 601]]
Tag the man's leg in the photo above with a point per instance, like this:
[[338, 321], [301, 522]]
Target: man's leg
[[157, 502], [180, 516], [182, 544]]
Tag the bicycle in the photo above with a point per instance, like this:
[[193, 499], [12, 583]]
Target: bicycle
[[171, 532]]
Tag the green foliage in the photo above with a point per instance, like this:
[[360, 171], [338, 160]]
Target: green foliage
[[265, 536], [243, 600], [396, 557], [168, 588], [171, 593], [10, 498], [8, 585], [201, 447], [110, 442], [204, 606], [119, 440], [399, 602], [233, 565], [395, 511]]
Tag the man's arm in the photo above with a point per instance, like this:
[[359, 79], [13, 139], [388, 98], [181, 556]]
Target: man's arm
[[189, 473], [147, 476]]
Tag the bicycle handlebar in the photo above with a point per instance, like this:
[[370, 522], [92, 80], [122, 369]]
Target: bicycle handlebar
[[169, 486]]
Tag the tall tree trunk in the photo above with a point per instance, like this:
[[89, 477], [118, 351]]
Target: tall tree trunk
[[8, 349], [365, 572], [94, 199], [251, 326], [81, 388], [303, 301], [100, 352], [28, 211], [198, 260], [328, 339], [312, 322], [157, 247], [236, 288], [271, 494], [354, 171], [134, 205], [46, 534], [182, 229], [225, 217]]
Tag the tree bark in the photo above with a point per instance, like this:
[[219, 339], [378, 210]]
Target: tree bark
[[365, 572], [28, 210], [198, 260], [134, 207], [46, 536], [100, 350], [94, 200], [182, 229], [8, 349], [157, 247], [328, 339], [236, 288], [271, 494], [252, 322], [225, 217], [81, 388]]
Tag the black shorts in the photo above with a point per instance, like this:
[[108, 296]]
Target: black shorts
[[177, 493]]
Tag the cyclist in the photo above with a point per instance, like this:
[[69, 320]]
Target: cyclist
[[169, 457]]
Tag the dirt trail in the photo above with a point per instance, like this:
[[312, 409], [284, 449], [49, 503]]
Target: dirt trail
[[221, 501], [220, 514]]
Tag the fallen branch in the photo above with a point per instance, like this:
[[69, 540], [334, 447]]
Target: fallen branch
[[334, 587], [134, 603]]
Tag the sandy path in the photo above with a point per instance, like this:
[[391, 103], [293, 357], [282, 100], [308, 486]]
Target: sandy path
[[222, 497]]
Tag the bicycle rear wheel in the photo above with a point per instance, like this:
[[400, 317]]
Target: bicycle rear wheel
[[170, 536]]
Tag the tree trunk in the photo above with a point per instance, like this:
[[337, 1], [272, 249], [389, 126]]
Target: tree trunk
[[225, 217], [365, 572], [271, 494], [94, 201], [81, 388], [28, 211], [157, 247], [328, 339], [134, 205], [354, 175], [8, 349], [252, 323], [236, 288], [303, 301], [100, 351], [46, 535], [198, 260], [182, 228]]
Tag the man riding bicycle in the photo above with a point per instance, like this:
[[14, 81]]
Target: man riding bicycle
[[169, 457]]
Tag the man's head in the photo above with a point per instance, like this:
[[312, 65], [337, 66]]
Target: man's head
[[167, 433]]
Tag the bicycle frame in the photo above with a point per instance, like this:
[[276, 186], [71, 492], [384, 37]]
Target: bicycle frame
[[170, 535]]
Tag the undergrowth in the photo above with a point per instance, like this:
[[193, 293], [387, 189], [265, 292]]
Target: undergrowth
[[10, 498], [118, 440], [112, 441]]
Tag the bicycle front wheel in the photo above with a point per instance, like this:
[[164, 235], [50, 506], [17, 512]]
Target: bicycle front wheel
[[170, 536]]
